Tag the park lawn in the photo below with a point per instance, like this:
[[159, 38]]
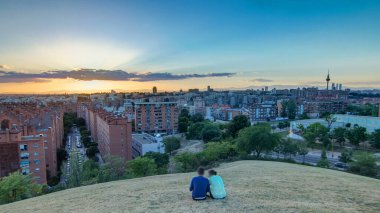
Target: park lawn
[[252, 186]]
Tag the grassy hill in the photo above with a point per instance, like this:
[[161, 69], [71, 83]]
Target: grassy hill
[[253, 186]]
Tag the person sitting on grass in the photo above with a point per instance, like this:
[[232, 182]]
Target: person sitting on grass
[[199, 185], [217, 190]]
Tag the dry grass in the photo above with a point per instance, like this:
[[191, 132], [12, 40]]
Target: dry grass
[[253, 186]]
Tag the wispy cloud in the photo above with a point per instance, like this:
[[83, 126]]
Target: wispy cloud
[[4, 66], [92, 74], [261, 80]]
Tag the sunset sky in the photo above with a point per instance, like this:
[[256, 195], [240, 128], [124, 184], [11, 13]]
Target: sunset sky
[[89, 46]]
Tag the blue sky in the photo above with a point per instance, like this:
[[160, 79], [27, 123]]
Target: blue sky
[[282, 42]]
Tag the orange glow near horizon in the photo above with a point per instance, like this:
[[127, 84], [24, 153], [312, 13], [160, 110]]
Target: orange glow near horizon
[[59, 86]]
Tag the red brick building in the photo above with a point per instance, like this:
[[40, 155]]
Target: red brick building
[[156, 117], [113, 134], [33, 134]]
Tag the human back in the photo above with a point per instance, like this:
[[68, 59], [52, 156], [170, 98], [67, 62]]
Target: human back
[[199, 186], [216, 185]]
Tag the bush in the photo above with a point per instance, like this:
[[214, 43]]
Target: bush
[[142, 166], [364, 164], [211, 132], [161, 160], [171, 144], [215, 151], [187, 161], [16, 187]]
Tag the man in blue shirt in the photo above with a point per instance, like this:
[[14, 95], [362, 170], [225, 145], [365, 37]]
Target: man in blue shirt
[[199, 185]]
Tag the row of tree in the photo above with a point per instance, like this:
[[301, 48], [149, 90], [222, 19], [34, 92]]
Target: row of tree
[[116, 168], [354, 135]]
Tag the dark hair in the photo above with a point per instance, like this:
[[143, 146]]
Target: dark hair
[[201, 171], [212, 172]]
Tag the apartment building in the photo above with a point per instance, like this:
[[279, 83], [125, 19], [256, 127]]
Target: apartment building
[[264, 111], [22, 153], [112, 133], [156, 117], [27, 125]]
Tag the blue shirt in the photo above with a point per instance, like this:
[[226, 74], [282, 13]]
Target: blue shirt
[[199, 186], [217, 187]]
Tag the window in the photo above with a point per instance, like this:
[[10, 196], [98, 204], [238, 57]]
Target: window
[[24, 155], [25, 171], [36, 154], [24, 147], [37, 170], [37, 161], [24, 164], [35, 145]]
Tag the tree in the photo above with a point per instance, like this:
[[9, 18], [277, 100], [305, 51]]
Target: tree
[[160, 159], [357, 135], [113, 169], [91, 152], [183, 123], [90, 172], [375, 139], [184, 113], [215, 151], [303, 149], [257, 139], [326, 142], [346, 156], [315, 131], [81, 122], [16, 187], [284, 124], [324, 163], [86, 141], [291, 108], [339, 135], [330, 119], [238, 122], [364, 163], [195, 130], [187, 161], [288, 147], [142, 166], [364, 110], [211, 132], [197, 118], [304, 116], [61, 156], [171, 144]]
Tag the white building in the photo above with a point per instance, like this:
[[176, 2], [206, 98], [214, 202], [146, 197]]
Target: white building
[[143, 143], [368, 122]]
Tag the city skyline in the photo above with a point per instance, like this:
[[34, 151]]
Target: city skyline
[[75, 46]]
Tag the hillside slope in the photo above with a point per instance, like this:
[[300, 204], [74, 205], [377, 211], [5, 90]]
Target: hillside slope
[[253, 186]]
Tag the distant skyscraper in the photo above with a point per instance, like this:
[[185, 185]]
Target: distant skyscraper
[[328, 80], [266, 88], [154, 90]]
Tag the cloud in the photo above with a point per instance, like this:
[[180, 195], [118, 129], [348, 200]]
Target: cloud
[[261, 80], [4, 66], [92, 74]]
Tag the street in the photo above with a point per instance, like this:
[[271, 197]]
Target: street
[[313, 157], [76, 154]]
